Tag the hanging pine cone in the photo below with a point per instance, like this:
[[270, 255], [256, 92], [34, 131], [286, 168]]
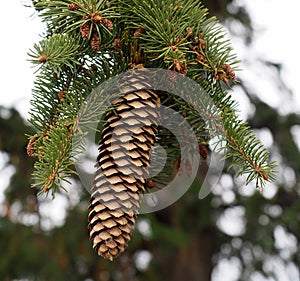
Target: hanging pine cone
[[124, 155]]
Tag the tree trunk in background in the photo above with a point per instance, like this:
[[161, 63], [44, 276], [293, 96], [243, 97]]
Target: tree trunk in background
[[194, 262], [191, 261]]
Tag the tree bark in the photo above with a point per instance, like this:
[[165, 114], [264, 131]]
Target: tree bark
[[192, 262]]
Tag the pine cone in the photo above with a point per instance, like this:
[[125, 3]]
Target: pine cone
[[124, 155]]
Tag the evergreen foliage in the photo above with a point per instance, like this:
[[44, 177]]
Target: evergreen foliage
[[89, 41], [182, 234]]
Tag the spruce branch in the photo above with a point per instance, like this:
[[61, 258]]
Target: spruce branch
[[247, 152], [57, 52], [90, 41], [89, 17], [242, 147], [164, 24], [45, 99], [53, 164]]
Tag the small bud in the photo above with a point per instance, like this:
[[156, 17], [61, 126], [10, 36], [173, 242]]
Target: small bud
[[200, 58], [107, 23], [189, 31], [96, 18], [86, 17], [31, 145], [202, 44], [229, 71], [203, 151], [139, 32], [149, 183], [117, 44], [42, 58], [225, 79], [177, 64], [95, 43], [85, 31], [179, 39], [61, 95], [73, 7], [174, 48]]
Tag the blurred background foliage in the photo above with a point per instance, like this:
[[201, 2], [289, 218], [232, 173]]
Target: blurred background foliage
[[235, 233]]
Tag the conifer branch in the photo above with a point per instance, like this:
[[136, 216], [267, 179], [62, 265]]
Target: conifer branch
[[90, 41], [56, 53], [53, 164]]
